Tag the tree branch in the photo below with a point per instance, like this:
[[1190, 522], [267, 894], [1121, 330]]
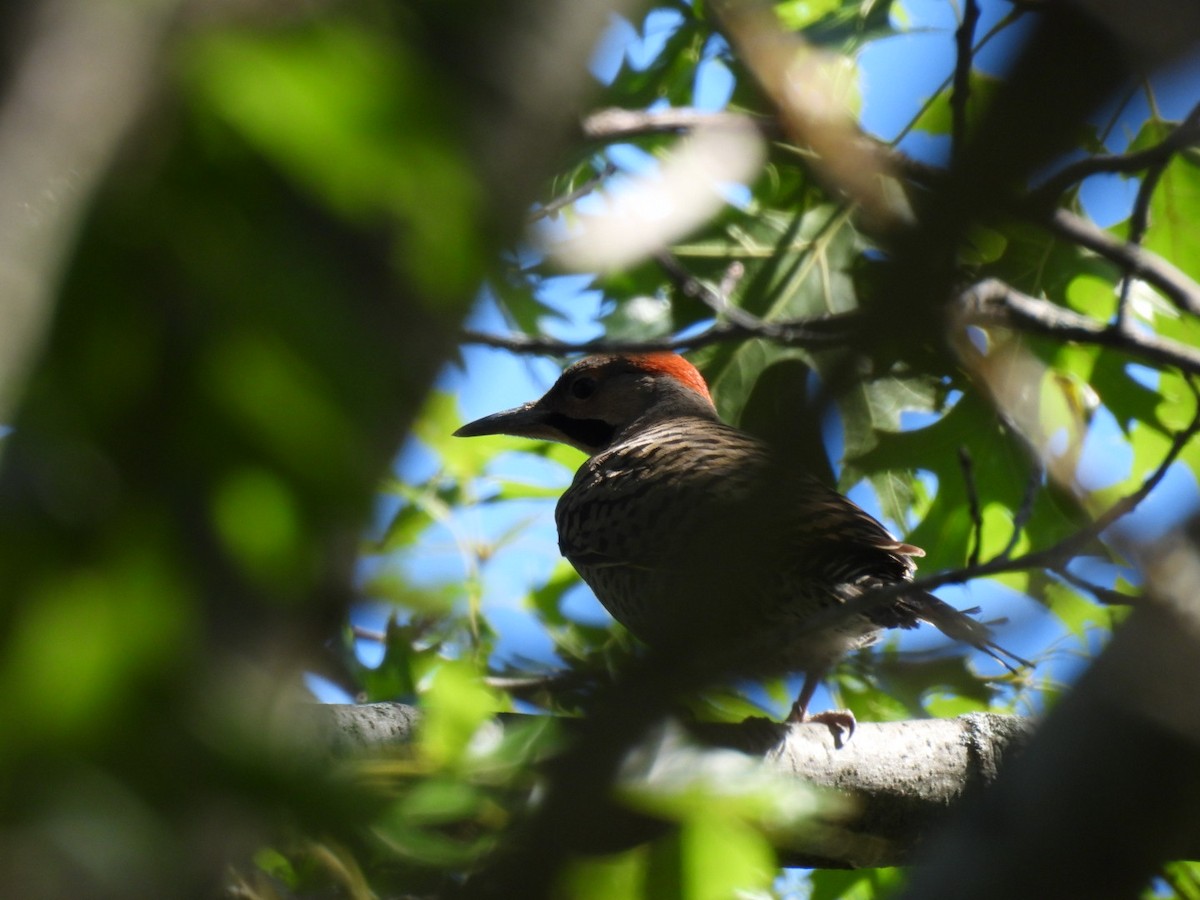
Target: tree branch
[[1116, 766], [992, 302], [1139, 262], [964, 39], [968, 469], [820, 332], [900, 779], [553, 206], [1186, 134]]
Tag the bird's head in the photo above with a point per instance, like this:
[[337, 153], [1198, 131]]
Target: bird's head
[[602, 399]]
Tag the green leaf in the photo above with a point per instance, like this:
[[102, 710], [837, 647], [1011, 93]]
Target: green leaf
[[709, 858], [938, 118], [1174, 205], [617, 877], [1079, 615], [799, 14], [349, 116], [1000, 470], [853, 25], [946, 706], [456, 704], [1094, 296], [860, 884], [547, 600]]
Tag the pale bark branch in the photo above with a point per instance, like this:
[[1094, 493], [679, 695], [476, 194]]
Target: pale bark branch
[[1109, 788], [900, 778], [623, 124], [1139, 262], [992, 302]]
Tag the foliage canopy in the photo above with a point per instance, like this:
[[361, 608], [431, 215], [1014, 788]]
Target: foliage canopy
[[271, 264]]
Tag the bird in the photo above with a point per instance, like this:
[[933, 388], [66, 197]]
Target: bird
[[706, 543]]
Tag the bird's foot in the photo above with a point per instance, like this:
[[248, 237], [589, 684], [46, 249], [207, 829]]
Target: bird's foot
[[836, 720]]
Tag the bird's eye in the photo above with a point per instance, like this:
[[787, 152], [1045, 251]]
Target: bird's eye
[[582, 388]]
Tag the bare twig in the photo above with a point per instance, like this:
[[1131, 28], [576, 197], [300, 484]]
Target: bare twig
[[964, 39], [818, 332], [583, 190], [937, 92], [368, 634], [1103, 594], [715, 299], [1138, 262], [968, 470], [1050, 557], [1139, 222], [1185, 135], [990, 302], [733, 274], [1024, 511]]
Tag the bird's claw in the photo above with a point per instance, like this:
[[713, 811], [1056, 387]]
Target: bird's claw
[[836, 720]]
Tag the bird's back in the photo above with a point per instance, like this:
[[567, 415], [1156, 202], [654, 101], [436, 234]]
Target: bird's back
[[693, 525]]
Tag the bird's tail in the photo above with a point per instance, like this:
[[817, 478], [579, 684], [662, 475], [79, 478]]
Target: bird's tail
[[959, 625]]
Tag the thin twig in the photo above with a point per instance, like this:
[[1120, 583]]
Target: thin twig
[[715, 299], [733, 274], [937, 92], [583, 190], [1139, 223], [1139, 219], [990, 302], [1101, 593], [1186, 134], [1049, 557], [368, 634], [968, 470], [960, 94], [1175, 284], [1024, 511], [818, 332]]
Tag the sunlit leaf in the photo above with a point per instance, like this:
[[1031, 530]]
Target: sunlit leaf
[[457, 704]]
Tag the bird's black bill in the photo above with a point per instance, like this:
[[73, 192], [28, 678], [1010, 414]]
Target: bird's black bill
[[523, 421]]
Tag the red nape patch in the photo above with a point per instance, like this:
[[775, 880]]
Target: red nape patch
[[676, 366]]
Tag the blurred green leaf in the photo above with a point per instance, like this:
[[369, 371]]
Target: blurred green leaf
[[617, 877], [306, 96], [88, 637], [938, 118], [1174, 205], [1078, 614], [861, 884], [799, 14], [709, 858], [256, 516], [457, 703]]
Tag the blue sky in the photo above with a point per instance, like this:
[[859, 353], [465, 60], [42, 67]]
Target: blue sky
[[897, 75]]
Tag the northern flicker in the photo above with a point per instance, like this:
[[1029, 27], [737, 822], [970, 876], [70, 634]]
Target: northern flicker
[[701, 540]]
